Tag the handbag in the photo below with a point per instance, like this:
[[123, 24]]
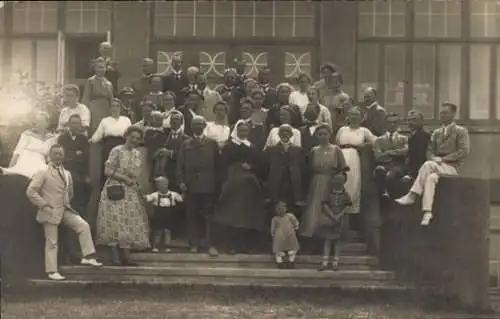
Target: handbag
[[115, 192]]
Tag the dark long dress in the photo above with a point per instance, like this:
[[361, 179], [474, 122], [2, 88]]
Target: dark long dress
[[240, 203], [21, 237]]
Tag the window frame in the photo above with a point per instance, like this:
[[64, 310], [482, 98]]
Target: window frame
[[465, 41]]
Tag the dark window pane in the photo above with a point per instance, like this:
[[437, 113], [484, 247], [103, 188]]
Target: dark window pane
[[163, 65], [254, 61], [263, 27], [164, 26], [244, 26], [72, 21], [296, 63], [264, 8], [424, 61], [485, 19], [450, 73], [46, 61], [304, 8], [224, 19], [204, 27], [479, 82], [437, 18], [365, 25], [284, 8], [203, 8], [184, 26], [284, 27], [368, 57], [395, 78], [104, 17], [382, 18], [213, 63], [304, 27], [184, 8], [244, 9]]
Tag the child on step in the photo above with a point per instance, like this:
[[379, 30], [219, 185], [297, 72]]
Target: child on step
[[164, 201], [283, 230], [332, 220]]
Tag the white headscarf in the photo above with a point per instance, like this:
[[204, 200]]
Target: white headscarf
[[234, 135]]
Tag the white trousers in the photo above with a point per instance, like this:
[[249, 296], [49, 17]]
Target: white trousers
[[427, 179], [79, 226]]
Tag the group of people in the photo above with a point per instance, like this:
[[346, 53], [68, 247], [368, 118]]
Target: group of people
[[169, 152]]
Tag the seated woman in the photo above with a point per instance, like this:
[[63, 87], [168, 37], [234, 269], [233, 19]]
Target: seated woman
[[217, 130], [273, 117], [323, 161], [122, 221], [240, 204], [21, 237], [351, 139], [256, 135], [71, 94], [108, 134], [285, 118]]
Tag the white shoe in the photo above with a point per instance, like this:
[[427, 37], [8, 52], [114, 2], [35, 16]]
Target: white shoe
[[155, 250], [407, 200], [426, 219], [56, 276], [90, 262]]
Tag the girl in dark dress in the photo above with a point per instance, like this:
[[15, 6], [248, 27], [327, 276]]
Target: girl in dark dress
[[240, 204]]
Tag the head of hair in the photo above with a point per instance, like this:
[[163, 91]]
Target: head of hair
[[116, 101], [161, 178], [323, 126], [133, 129], [221, 103], [257, 92], [330, 66], [169, 93], [72, 88], [416, 112], [284, 85], [241, 123], [453, 107], [198, 119], [99, 60], [285, 128], [74, 116], [144, 104], [314, 88], [247, 100], [126, 91], [303, 75]]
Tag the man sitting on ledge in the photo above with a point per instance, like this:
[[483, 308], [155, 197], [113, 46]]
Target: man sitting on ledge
[[448, 149], [390, 152]]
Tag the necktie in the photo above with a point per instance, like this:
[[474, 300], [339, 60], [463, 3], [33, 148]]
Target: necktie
[[60, 171]]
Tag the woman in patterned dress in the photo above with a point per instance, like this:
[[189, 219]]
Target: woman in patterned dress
[[324, 160], [97, 95], [123, 224]]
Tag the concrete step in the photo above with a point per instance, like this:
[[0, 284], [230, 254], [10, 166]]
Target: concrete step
[[235, 276], [245, 261]]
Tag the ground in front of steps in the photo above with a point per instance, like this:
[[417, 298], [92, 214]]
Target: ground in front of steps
[[132, 303]]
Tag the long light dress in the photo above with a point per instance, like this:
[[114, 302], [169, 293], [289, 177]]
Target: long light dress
[[31, 151], [123, 222], [323, 162], [347, 136]]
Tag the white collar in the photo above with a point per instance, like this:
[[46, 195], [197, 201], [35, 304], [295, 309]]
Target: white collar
[[178, 131], [312, 128], [236, 140], [374, 104], [179, 72]]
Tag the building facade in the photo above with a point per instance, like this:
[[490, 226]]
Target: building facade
[[415, 52]]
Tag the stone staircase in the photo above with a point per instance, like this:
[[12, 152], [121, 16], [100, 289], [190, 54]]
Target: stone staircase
[[357, 271]]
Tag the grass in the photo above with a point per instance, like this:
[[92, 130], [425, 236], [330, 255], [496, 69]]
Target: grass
[[194, 303]]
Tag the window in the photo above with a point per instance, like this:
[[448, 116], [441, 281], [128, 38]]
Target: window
[[35, 16], [296, 63], [438, 18], [88, 16], [368, 72], [395, 78], [83, 51], [163, 61], [485, 18], [498, 84], [254, 62], [234, 18], [382, 18], [46, 61], [479, 99], [213, 64], [450, 73], [22, 51], [424, 72]]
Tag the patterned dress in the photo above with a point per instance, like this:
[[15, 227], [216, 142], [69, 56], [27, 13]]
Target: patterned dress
[[323, 162], [123, 222]]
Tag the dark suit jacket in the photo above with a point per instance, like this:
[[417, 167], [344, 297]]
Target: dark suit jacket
[[273, 117], [197, 165], [279, 162], [257, 135], [76, 159], [375, 120], [418, 144], [171, 83], [308, 140], [271, 96], [188, 117]]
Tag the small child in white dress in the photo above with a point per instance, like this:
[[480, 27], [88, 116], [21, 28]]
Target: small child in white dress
[[164, 201], [283, 230]]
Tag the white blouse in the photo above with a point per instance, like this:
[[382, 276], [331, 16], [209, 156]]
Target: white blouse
[[217, 132], [111, 126], [67, 112], [300, 99], [354, 136], [273, 137]]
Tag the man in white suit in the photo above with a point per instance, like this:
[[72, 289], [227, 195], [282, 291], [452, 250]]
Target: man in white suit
[[51, 190]]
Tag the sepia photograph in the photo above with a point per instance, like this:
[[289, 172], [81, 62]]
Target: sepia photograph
[[260, 159]]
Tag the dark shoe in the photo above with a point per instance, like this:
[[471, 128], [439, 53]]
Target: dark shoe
[[281, 265], [323, 267], [291, 265]]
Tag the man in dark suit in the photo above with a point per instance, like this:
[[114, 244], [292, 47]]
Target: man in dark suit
[[76, 147], [418, 143], [189, 109], [142, 86], [271, 96], [375, 114], [176, 80], [197, 171]]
